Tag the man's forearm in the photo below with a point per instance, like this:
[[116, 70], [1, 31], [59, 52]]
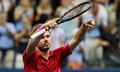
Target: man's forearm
[[80, 33], [78, 36], [31, 46]]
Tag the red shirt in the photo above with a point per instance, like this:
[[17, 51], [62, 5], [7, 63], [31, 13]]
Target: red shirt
[[36, 63]]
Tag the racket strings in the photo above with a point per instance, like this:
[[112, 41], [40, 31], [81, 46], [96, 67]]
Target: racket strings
[[78, 10]]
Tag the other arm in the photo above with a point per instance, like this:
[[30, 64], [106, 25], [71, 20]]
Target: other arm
[[80, 33]]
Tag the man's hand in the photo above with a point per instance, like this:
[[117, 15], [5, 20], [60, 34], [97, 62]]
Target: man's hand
[[51, 24], [89, 24]]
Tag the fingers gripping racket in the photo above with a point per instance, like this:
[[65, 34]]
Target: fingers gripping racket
[[73, 12]]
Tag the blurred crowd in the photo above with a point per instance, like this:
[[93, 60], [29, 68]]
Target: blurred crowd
[[100, 48]]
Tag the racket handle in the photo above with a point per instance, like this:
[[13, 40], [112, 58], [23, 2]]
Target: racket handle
[[43, 30], [34, 36]]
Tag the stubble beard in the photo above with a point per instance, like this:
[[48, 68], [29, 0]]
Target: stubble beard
[[44, 49]]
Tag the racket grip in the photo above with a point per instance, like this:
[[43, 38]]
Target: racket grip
[[34, 36], [40, 31], [43, 29]]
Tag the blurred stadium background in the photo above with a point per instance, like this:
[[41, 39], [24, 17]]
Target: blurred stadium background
[[99, 51]]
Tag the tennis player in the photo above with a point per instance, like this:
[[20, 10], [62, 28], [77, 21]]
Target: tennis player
[[38, 58]]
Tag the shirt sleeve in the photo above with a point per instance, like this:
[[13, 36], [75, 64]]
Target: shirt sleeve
[[28, 59], [64, 51]]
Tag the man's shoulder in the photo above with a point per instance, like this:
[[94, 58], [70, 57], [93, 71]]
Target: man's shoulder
[[34, 53], [61, 48], [57, 49]]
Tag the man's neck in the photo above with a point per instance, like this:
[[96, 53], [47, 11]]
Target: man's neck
[[45, 54]]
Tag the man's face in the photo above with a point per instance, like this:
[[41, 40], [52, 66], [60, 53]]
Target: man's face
[[44, 43]]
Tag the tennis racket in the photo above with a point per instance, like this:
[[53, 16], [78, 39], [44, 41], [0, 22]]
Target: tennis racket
[[69, 15]]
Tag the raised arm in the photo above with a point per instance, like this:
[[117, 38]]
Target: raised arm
[[33, 42], [80, 33]]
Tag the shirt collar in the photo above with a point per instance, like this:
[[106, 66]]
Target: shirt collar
[[51, 53]]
